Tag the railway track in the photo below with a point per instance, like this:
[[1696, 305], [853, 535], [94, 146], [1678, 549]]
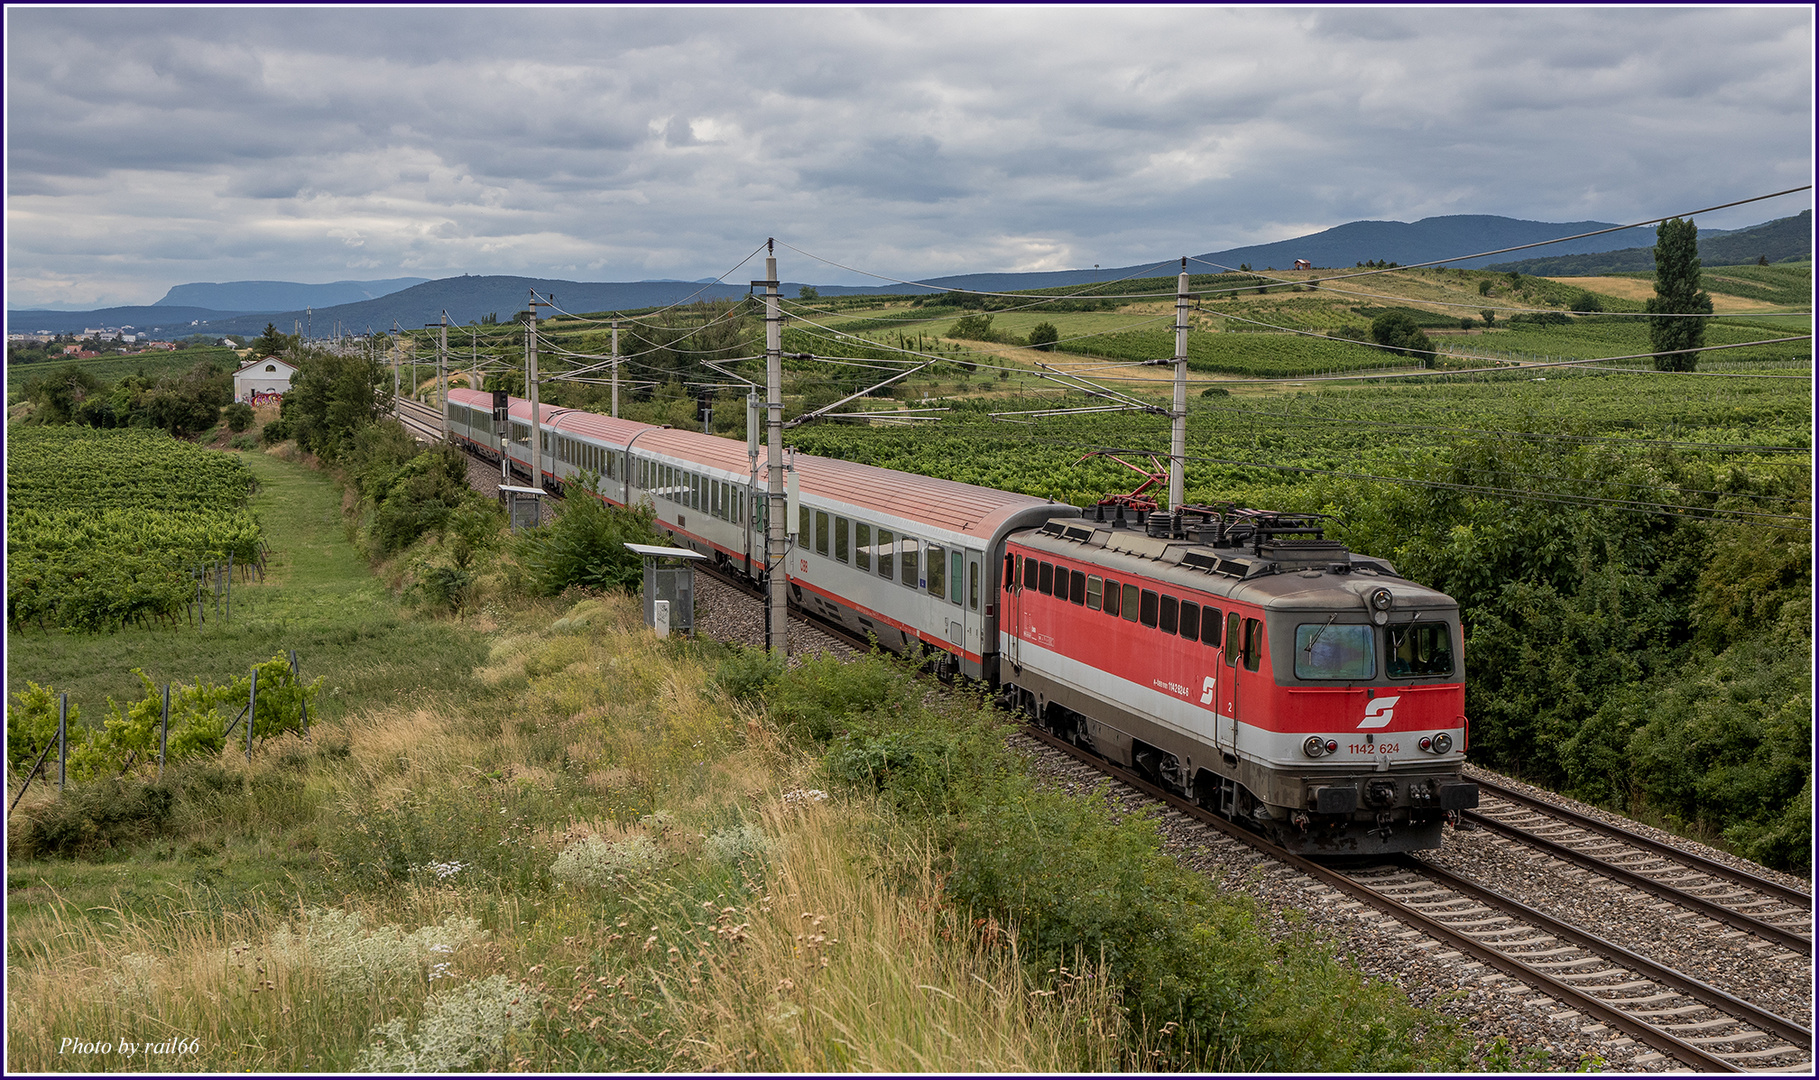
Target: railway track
[[1746, 902], [1677, 1016], [422, 421]]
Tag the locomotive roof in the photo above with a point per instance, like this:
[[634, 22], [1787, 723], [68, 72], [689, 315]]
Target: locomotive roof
[[963, 508], [1291, 574]]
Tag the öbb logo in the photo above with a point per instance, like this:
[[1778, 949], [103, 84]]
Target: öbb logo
[[1380, 712]]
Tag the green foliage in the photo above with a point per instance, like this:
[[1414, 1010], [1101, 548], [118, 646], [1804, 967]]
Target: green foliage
[[1677, 294], [976, 327], [1043, 336], [86, 820], [1484, 287], [585, 548], [747, 674], [333, 397], [1399, 333], [106, 527], [239, 416], [1489, 315], [1585, 302], [1540, 318]]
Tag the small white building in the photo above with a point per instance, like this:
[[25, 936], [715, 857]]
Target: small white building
[[259, 381]]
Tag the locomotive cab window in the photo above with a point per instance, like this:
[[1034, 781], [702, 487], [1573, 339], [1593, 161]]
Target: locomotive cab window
[[1253, 644], [1232, 623], [1330, 651], [1422, 650]]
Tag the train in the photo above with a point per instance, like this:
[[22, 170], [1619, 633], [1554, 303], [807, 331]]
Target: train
[[1237, 657]]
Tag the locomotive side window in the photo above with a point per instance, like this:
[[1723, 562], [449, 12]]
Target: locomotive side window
[[1010, 570], [1029, 571], [1146, 611], [1076, 587], [1232, 622], [840, 538], [1253, 644], [1421, 649], [1111, 596], [1190, 620], [1129, 611], [887, 546], [1045, 580], [937, 563], [862, 545], [1171, 610], [909, 563], [821, 532], [1327, 651], [1095, 590]]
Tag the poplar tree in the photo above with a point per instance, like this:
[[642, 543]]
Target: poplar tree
[[1672, 336]]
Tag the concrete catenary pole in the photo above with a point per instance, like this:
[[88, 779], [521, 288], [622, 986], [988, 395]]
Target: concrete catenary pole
[[776, 616], [1177, 438], [536, 405], [615, 367], [442, 375]]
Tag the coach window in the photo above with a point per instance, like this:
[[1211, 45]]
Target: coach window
[[1076, 587], [698, 488], [1146, 611], [1130, 609], [821, 532], [1045, 579], [886, 547], [1211, 622], [840, 539], [953, 579], [804, 536], [972, 587], [1112, 594], [862, 545], [1324, 650], [1253, 644], [1171, 611], [1190, 620], [1232, 622], [937, 570], [1095, 589], [909, 564]]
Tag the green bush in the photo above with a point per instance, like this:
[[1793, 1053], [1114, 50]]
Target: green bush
[[91, 818], [747, 674], [1043, 336], [585, 547], [239, 416]]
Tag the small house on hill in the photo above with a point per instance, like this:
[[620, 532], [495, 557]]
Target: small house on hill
[[260, 381], [1303, 264]]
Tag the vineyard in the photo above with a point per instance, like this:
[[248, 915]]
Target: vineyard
[[110, 528]]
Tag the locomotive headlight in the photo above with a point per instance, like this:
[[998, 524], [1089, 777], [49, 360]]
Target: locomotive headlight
[[1382, 600], [1443, 743], [1314, 747]]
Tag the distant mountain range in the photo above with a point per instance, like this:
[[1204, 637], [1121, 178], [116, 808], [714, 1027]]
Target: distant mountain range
[[1782, 240], [279, 295], [411, 303]]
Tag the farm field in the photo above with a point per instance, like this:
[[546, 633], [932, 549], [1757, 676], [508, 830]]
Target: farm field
[[112, 369]]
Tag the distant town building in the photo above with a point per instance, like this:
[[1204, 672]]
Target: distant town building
[[260, 381], [1303, 264]]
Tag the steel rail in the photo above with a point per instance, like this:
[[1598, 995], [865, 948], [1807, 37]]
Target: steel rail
[[1780, 935], [1699, 862], [1641, 1030]]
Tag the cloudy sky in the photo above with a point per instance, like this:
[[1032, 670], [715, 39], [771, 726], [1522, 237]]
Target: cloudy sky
[[147, 147]]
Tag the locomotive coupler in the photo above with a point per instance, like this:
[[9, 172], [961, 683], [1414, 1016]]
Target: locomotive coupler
[[1383, 825], [1459, 823], [1299, 817]]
